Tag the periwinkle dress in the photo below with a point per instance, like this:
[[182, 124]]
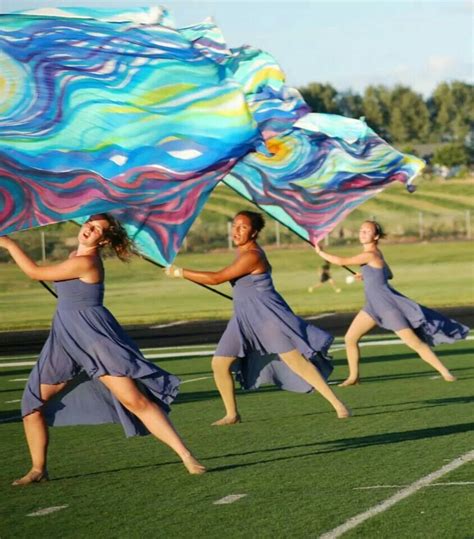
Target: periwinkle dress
[[86, 342], [264, 324], [392, 310]]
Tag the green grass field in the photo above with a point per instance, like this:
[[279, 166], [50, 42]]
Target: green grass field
[[435, 274], [302, 471]]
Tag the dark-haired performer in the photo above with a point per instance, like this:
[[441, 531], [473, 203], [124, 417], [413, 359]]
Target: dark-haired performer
[[86, 344], [417, 326], [263, 323]]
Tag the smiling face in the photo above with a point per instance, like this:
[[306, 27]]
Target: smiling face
[[367, 233], [242, 231], [92, 231]]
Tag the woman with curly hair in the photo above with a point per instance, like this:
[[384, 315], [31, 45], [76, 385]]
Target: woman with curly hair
[[89, 370]]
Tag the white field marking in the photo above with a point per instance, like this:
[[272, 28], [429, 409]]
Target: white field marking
[[19, 364], [47, 511], [196, 379], [11, 402], [18, 380], [204, 353], [398, 496], [319, 316], [169, 325], [231, 498], [452, 483], [435, 377]]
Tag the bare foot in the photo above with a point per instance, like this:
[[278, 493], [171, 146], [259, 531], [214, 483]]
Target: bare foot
[[449, 378], [33, 476], [193, 466], [344, 412], [350, 382], [227, 420]]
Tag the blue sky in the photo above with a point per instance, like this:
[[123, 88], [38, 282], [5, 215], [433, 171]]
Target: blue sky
[[349, 44]]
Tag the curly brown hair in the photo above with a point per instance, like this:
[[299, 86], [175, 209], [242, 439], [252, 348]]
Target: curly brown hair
[[117, 239]]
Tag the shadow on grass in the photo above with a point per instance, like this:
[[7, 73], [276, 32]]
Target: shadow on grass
[[406, 355], [317, 448], [7, 372], [10, 416], [214, 394], [345, 444], [421, 405], [404, 376]]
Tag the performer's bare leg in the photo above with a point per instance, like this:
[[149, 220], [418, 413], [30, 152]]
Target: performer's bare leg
[[304, 368], [221, 367], [36, 433], [411, 339], [361, 325], [153, 417]]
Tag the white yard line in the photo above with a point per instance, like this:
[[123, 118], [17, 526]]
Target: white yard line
[[451, 484], [18, 380], [47, 511], [11, 402], [398, 496], [170, 324], [196, 379], [231, 498], [204, 353]]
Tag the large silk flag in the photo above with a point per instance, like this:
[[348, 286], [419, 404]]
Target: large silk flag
[[106, 110], [113, 111]]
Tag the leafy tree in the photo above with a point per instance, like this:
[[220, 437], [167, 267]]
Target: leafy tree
[[376, 108], [410, 119], [320, 97], [350, 104], [451, 155], [452, 110]]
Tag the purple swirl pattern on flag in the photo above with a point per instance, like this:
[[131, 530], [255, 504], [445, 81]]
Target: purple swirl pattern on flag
[[112, 110]]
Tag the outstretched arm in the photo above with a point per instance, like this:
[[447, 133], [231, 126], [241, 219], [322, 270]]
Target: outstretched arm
[[362, 258], [70, 269], [245, 264]]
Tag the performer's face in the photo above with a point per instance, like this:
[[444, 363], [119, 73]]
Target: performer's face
[[242, 231], [367, 233], [92, 231]]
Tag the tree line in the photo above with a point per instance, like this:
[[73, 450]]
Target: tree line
[[401, 115]]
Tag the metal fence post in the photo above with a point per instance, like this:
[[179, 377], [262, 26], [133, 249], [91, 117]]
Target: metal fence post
[[43, 247], [468, 224], [229, 235]]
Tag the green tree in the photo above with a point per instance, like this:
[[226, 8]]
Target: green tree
[[452, 110], [451, 155], [376, 108], [350, 104], [320, 97], [410, 118]]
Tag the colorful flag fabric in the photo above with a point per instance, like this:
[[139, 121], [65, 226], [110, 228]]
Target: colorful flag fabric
[[106, 110], [112, 110], [310, 170]]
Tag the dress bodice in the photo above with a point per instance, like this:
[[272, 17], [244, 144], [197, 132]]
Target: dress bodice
[[374, 277], [76, 294], [247, 285]]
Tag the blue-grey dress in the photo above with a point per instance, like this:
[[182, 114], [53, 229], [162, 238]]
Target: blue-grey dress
[[264, 324], [392, 310], [86, 342]]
